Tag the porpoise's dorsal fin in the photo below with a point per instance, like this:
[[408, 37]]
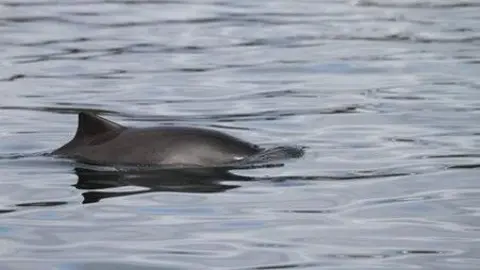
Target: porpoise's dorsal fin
[[91, 125]]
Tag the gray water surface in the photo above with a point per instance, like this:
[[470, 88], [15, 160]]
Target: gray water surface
[[385, 95]]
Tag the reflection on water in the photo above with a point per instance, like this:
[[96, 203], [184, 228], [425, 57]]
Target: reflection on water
[[152, 181]]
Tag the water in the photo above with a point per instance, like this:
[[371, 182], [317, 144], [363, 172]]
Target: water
[[384, 94]]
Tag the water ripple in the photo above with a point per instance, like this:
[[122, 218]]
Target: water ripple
[[383, 93]]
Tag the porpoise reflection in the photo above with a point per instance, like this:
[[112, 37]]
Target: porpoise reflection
[[101, 141], [97, 185]]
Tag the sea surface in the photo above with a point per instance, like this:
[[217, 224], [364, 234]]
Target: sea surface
[[384, 95]]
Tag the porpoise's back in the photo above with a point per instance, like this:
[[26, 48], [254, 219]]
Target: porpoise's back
[[101, 141]]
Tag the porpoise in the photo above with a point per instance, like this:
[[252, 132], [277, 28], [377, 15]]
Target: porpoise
[[101, 141]]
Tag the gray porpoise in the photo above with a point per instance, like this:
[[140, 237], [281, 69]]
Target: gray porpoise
[[101, 141]]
